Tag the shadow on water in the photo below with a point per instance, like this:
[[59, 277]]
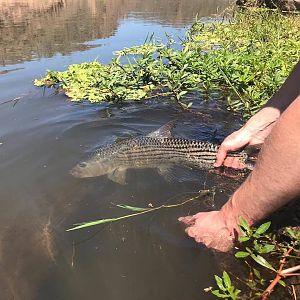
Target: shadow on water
[[43, 137]]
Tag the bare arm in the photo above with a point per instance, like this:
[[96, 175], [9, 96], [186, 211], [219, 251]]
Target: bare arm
[[276, 178], [274, 182]]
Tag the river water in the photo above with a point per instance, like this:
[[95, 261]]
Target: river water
[[43, 135]]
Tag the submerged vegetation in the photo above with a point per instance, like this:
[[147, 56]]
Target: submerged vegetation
[[245, 58]]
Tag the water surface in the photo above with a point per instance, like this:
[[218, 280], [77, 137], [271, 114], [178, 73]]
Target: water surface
[[43, 136]]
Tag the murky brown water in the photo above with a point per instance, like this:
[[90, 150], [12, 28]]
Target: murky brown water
[[43, 137]]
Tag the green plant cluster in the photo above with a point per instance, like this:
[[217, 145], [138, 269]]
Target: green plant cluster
[[263, 253], [245, 58], [226, 289]]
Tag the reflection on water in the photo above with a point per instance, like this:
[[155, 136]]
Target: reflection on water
[[30, 28]]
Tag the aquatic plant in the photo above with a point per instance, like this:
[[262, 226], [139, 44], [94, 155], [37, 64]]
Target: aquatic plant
[[266, 255], [245, 58], [141, 210]]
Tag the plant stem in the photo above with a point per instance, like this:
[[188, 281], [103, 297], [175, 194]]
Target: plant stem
[[278, 277], [103, 221]]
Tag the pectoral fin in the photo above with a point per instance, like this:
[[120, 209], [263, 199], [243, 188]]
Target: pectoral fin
[[175, 173], [166, 173], [118, 176]]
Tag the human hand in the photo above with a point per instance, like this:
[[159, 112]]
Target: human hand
[[253, 133], [210, 228]]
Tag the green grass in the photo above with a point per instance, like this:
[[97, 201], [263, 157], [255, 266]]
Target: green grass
[[245, 58]]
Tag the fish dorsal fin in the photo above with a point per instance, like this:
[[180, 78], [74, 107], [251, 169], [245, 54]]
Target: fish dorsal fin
[[163, 131]]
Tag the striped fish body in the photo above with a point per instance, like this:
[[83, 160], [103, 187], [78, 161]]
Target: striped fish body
[[149, 152]]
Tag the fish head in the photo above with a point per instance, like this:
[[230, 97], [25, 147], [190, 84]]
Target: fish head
[[93, 168]]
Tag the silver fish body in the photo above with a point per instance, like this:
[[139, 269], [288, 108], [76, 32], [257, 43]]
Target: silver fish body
[[150, 152]]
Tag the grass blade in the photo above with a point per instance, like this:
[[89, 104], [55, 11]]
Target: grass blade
[[132, 208], [92, 223], [138, 211]]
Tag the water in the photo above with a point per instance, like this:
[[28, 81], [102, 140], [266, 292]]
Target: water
[[43, 136]]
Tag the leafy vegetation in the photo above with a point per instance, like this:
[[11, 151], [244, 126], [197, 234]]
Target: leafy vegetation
[[226, 289], [267, 256], [245, 58]]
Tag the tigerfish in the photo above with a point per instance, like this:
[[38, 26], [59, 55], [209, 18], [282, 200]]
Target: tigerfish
[[157, 150]]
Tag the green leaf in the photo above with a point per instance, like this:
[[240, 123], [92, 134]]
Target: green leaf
[[263, 228], [256, 273], [244, 224], [243, 239], [132, 208], [92, 223], [256, 246], [218, 294], [241, 254], [182, 93], [219, 282], [226, 280], [262, 261], [267, 248], [291, 232], [282, 283]]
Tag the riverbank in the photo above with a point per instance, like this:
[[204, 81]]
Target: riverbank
[[245, 58]]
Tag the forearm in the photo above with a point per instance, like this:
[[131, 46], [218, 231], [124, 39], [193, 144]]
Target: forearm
[[276, 178]]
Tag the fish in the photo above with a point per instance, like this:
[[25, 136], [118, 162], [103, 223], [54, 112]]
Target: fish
[[158, 150]]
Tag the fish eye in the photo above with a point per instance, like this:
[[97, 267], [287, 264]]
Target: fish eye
[[82, 165]]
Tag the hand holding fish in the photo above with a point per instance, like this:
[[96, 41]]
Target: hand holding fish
[[253, 133], [217, 229]]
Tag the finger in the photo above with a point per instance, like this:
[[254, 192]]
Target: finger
[[206, 240], [190, 232], [197, 236], [188, 220], [221, 155]]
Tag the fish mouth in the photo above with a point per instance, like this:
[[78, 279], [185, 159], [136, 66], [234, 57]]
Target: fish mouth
[[79, 171], [76, 172], [89, 169]]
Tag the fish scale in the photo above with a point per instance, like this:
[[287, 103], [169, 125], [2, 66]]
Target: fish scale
[[151, 152], [174, 150]]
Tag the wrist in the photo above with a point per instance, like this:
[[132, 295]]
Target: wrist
[[231, 212], [261, 120]]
